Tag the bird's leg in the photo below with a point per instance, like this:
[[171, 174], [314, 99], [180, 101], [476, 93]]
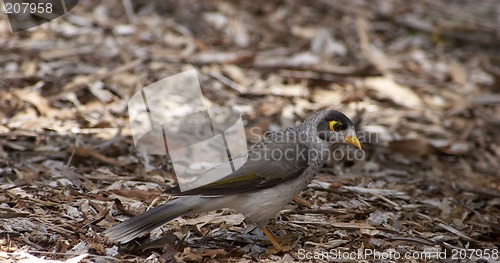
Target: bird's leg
[[272, 238]]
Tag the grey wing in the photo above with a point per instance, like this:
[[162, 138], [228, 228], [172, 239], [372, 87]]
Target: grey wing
[[267, 165]]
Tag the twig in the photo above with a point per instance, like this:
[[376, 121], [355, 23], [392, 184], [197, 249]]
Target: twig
[[415, 240], [302, 202], [394, 205], [85, 152], [455, 231], [226, 81], [129, 10], [315, 211]]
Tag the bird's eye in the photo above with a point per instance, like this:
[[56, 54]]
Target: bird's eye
[[335, 126]]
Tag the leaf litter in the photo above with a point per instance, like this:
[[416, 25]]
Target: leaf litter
[[422, 79]]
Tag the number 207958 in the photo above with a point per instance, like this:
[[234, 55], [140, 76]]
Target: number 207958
[[17, 8]]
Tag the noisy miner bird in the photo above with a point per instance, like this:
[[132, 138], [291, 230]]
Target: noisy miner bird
[[277, 168]]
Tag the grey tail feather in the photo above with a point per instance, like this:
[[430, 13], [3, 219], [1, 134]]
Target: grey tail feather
[[151, 219]]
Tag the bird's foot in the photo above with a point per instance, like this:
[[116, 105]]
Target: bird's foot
[[276, 241]]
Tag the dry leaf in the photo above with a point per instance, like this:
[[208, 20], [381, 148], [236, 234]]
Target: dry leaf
[[411, 147], [458, 72], [399, 94]]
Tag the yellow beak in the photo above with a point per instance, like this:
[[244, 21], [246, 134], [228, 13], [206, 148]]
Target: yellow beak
[[352, 139]]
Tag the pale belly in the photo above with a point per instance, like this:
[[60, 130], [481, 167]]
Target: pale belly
[[260, 206]]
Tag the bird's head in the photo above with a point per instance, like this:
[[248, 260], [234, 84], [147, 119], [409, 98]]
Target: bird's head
[[334, 127]]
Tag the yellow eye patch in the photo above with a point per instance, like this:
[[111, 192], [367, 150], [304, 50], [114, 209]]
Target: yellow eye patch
[[334, 125]]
